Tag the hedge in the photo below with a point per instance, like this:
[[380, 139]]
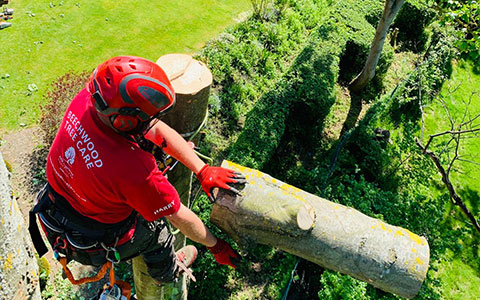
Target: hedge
[[343, 39]]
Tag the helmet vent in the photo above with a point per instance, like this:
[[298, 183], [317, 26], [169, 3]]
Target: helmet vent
[[108, 81], [132, 66], [119, 69]]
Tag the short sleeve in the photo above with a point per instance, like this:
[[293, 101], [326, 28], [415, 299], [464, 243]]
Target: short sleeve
[[154, 197]]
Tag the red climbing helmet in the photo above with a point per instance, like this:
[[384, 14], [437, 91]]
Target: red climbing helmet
[[130, 91]]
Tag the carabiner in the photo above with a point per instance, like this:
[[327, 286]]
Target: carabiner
[[57, 244]]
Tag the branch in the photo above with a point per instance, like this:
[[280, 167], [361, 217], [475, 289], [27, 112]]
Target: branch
[[471, 121], [447, 111], [453, 132], [446, 146], [454, 197], [457, 141], [469, 161]]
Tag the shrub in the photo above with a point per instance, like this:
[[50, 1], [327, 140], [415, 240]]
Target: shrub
[[427, 79], [249, 59], [56, 101], [412, 21], [338, 286], [310, 81]]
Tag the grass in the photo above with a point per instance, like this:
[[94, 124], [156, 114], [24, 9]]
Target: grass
[[463, 88], [460, 281], [459, 273], [48, 39]]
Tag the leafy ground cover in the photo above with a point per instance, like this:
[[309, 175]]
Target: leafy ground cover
[[51, 38]]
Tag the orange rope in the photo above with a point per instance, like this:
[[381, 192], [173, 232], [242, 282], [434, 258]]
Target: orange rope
[[124, 286], [100, 274]]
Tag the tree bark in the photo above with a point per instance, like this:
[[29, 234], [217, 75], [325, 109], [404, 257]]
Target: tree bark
[[19, 269], [389, 12], [329, 234]]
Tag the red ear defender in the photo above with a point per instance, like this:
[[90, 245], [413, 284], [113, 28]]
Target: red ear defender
[[124, 123]]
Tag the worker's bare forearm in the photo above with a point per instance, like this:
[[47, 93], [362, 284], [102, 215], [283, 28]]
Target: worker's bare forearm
[[192, 227], [175, 145]]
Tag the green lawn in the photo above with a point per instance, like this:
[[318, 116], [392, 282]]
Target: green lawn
[[460, 280], [48, 39], [462, 88], [459, 273]]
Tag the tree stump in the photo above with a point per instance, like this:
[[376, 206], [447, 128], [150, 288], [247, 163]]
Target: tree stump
[[329, 234], [191, 81]]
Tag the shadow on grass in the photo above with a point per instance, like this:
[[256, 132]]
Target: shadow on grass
[[310, 94], [303, 97], [353, 112], [472, 199]]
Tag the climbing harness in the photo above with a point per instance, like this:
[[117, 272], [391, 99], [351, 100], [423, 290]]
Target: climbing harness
[[84, 239], [116, 290], [61, 232]]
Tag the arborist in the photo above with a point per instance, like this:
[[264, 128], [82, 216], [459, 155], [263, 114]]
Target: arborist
[[106, 199]]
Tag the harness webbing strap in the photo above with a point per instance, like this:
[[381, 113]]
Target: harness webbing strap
[[37, 240]]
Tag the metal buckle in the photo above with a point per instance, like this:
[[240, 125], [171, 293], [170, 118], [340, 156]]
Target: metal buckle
[[112, 249]]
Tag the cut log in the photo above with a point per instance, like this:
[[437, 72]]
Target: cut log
[[334, 236]]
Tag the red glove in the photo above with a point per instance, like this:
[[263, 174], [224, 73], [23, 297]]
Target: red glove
[[224, 254], [218, 177]]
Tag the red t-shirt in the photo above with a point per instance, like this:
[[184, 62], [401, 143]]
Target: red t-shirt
[[102, 174]]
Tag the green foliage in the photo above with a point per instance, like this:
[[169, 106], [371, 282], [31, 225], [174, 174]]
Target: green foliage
[[61, 289], [56, 101], [427, 79], [308, 86], [411, 22], [465, 17], [344, 287], [359, 34], [250, 59], [43, 271], [309, 83]]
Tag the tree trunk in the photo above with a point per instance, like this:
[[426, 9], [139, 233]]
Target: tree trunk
[[191, 81], [329, 234], [19, 269], [390, 11]]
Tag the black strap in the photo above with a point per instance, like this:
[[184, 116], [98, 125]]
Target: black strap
[[72, 221], [68, 216], [37, 240], [42, 204]]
